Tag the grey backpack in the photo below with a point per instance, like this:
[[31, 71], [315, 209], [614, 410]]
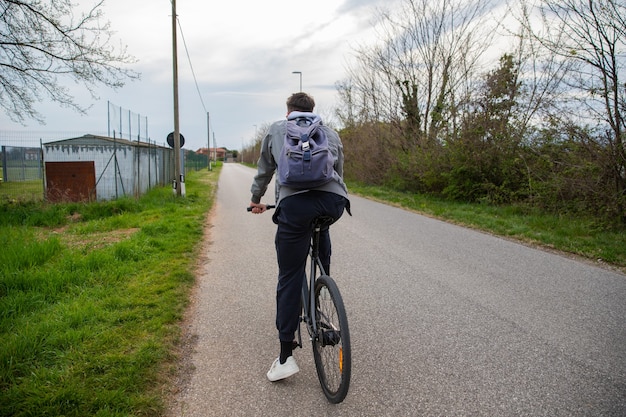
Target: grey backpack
[[306, 160]]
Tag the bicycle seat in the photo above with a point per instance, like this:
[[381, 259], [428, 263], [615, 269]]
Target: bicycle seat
[[323, 221]]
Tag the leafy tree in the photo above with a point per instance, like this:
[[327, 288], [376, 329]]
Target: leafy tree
[[484, 158], [43, 43]]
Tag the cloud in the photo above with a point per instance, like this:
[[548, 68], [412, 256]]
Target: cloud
[[242, 52]]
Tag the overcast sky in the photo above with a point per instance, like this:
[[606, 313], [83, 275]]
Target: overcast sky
[[243, 53]]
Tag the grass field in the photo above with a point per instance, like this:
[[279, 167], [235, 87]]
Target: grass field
[[91, 296], [31, 190], [20, 170]]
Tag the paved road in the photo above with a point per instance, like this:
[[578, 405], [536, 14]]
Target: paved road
[[445, 321]]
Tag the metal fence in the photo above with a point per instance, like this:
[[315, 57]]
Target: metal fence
[[21, 164], [125, 124]]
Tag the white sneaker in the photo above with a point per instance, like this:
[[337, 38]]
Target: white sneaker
[[278, 371]]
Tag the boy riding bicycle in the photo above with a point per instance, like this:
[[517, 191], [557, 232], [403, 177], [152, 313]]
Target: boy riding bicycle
[[295, 211]]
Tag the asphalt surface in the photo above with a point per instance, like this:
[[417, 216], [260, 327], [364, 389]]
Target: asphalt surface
[[445, 321]]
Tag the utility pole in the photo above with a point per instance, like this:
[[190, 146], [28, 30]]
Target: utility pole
[[214, 149], [179, 176], [208, 139]]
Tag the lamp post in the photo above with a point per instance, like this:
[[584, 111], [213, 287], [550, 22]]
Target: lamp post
[[299, 73], [254, 144]]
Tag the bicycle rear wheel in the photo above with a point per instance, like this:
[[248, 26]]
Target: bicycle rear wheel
[[331, 346]]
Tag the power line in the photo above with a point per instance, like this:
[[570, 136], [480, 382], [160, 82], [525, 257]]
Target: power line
[[194, 79], [190, 64]]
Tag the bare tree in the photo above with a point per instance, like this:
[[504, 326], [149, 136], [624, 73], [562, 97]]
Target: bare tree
[[426, 52], [591, 35], [45, 42]]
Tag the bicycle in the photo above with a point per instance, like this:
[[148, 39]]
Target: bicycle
[[328, 327]]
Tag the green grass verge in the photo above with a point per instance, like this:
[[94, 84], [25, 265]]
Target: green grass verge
[[91, 299], [576, 235]]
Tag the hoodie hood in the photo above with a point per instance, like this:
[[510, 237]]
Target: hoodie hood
[[301, 115]]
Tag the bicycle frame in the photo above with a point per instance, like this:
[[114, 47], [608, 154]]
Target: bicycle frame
[[308, 288]]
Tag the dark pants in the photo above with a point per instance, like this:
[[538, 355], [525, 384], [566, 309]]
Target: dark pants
[[294, 217]]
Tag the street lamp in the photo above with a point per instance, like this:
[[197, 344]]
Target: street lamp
[[300, 73], [254, 144]]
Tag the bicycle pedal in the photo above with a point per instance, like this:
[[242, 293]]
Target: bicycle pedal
[[330, 337]]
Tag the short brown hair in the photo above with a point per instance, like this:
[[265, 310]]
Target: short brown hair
[[300, 102]]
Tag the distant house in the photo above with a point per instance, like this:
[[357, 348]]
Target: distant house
[[32, 154], [215, 153], [94, 167]]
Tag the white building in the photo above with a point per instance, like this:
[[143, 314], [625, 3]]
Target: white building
[[90, 168]]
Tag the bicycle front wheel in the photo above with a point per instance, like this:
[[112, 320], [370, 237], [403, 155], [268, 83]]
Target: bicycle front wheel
[[331, 346]]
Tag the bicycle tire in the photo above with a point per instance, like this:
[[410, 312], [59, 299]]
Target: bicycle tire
[[331, 346]]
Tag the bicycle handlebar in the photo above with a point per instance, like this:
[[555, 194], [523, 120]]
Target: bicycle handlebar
[[267, 207]]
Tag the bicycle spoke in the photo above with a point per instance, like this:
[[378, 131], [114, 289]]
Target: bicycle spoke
[[332, 345]]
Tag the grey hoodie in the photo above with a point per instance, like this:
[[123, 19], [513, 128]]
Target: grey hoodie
[[271, 147]]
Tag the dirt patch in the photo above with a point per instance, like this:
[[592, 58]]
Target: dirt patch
[[88, 241]]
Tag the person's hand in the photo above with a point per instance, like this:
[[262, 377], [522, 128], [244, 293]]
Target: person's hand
[[257, 208]]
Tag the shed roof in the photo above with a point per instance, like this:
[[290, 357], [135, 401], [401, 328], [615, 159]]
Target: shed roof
[[90, 139]]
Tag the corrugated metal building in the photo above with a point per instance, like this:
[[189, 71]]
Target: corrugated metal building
[[93, 167]]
